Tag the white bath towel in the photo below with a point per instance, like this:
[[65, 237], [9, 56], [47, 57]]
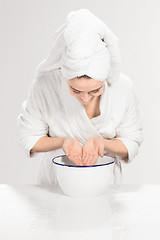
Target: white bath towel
[[84, 44]]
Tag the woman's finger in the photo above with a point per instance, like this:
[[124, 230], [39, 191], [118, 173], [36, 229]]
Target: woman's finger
[[94, 160], [67, 154], [79, 163], [80, 159], [100, 152], [89, 160], [86, 156], [74, 160]]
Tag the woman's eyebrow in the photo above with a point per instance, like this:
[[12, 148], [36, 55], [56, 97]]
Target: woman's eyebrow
[[89, 91]]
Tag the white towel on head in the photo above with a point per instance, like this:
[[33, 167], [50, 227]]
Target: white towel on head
[[84, 45]]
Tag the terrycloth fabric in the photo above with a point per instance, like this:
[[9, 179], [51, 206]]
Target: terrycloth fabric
[[51, 110], [84, 45]]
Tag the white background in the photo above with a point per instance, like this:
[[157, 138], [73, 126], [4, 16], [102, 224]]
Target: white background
[[26, 39]]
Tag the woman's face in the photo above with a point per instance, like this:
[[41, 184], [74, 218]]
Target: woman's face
[[85, 89]]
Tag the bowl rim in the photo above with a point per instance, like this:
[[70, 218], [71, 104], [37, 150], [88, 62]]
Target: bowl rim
[[60, 164]]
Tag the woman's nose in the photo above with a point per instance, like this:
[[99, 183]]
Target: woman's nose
[[85, 97]]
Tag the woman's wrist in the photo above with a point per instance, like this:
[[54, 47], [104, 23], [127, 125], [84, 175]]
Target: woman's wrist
[[115, 146], [63, 139], [105, 141]]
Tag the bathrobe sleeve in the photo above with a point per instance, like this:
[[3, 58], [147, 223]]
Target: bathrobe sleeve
[[129, 130], [30, 122]]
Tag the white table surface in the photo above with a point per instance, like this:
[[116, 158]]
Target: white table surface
[[124, 212]]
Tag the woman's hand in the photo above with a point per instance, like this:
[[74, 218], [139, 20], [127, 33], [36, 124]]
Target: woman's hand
[[92, 149], [73, 150]]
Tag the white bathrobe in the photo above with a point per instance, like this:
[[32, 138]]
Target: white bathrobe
[[50, 110]]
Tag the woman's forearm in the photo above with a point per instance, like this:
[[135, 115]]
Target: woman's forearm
[[46, 144], [116, 147]]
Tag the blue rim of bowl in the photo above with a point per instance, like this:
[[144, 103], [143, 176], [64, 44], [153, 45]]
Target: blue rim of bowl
[[78, 166]]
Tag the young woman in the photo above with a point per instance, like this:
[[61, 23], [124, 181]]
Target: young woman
[[79, 103]]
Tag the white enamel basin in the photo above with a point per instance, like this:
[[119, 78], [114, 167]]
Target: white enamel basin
[[84, 181]]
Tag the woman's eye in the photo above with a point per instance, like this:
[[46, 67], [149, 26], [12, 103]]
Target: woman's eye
[[76, 91], [95, 91]]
